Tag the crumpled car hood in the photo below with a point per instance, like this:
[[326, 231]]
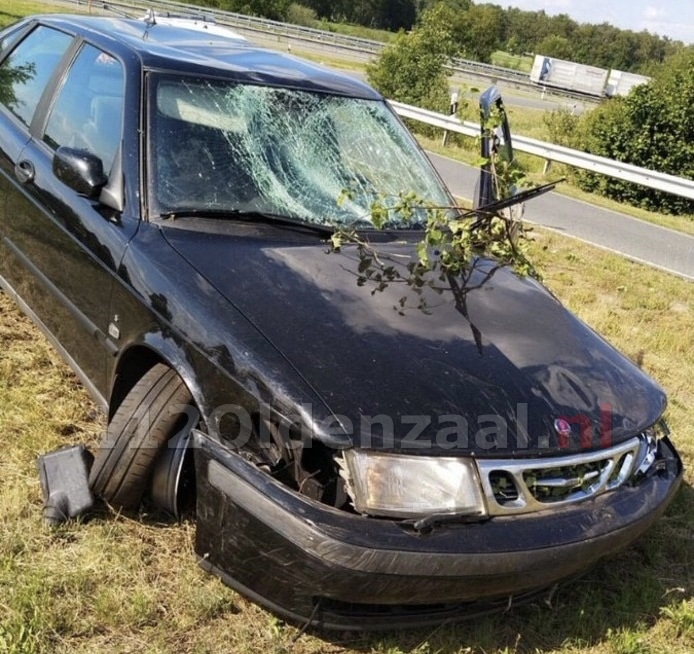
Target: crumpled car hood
[[492, 369]]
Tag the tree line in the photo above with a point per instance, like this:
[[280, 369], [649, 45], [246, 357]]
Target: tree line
[[483, 29]]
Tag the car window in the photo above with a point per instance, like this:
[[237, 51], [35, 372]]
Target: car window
[[25, 72], [317, 157], [88, 113]]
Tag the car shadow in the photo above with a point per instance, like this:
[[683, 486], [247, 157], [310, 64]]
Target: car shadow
[[628, 592]]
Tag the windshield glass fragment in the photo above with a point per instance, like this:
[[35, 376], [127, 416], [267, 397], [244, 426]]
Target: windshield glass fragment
[[316, 157]]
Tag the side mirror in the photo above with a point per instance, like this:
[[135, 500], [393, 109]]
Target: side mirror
[[82, 171], [495, 138]]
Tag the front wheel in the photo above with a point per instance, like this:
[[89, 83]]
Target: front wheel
[[155, 411]]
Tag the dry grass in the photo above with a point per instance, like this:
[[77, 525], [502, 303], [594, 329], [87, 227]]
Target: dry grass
[[121, 585]]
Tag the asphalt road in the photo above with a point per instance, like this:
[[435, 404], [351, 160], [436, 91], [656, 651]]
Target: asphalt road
[[512, 97], [537, 101], [638, 240]]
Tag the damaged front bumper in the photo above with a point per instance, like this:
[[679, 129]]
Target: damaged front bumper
[[312, 563]]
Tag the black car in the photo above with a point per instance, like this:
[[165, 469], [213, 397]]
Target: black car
[[168, 193]]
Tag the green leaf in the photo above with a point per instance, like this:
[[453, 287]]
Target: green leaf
[[365, 264]]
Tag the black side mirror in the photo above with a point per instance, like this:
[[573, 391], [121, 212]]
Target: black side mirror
[[82, 171], [493, 139]]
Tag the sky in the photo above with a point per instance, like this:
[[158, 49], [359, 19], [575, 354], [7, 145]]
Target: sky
[[673, 18]]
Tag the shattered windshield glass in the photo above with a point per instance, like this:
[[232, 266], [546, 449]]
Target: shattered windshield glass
[[218, 146]]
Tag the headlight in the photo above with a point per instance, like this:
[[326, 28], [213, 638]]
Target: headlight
[[411, 486], [649, 447]]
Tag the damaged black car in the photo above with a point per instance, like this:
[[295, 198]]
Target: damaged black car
[[169, 192]]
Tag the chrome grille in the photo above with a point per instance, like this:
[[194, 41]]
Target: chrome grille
[[513, 486]]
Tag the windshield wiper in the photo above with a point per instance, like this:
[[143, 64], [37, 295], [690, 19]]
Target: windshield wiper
[[489, 210], [265, 217]]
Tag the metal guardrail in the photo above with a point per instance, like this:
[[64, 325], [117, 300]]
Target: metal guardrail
[[617, 169], [449, 123], [297, 33]]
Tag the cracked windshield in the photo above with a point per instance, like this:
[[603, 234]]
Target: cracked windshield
[[316, 157]]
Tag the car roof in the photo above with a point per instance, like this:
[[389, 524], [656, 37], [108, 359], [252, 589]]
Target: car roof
[[195, 46]]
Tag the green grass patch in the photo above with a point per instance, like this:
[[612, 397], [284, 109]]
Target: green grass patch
[[13, 10], [334, 62], [516, 62], [358, 31]]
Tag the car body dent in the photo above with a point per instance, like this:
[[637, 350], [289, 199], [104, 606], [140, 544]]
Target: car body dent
[[336, 570]]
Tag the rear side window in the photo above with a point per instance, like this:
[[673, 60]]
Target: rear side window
[[26, 71], [88, 113]]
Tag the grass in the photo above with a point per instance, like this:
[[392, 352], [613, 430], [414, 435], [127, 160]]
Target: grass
[[516, 62], [13, 10], [358, 31], [324, 59], [122, 585]]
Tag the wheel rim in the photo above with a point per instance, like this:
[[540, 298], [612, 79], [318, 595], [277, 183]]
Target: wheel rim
[[168, 470]]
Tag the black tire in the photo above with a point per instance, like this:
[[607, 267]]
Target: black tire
[[148, 417]]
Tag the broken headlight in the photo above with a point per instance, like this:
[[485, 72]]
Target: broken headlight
[[648, 453], [403, 486]]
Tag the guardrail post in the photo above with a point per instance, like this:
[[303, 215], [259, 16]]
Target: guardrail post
[[455, 95]]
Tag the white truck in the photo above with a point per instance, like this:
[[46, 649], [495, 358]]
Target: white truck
[[589, 80], [568, 75], [621, 83]]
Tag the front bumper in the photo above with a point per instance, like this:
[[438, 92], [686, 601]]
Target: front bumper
[[310, 563]]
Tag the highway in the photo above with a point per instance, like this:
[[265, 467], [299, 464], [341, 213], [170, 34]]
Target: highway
[[635, 239], [512, 97]]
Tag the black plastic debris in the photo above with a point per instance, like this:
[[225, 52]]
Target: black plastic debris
[[65, 481]]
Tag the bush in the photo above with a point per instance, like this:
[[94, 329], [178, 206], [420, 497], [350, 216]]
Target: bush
[[301, 15], [411, 69], [562, 126], [652, 127]]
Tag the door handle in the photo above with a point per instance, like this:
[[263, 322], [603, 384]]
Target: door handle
[[24, 171]]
